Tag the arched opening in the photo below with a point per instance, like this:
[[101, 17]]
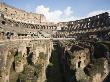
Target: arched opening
[[28, 50], [79, 64], [3, 22]]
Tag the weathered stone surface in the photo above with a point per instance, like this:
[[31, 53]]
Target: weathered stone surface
[[26, 43], [83, 64]]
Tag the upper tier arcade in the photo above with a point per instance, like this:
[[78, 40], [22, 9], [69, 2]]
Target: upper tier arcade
[[101, 20], [21, 15], [97, 26]]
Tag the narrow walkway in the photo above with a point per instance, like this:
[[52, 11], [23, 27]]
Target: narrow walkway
[[54, 71]]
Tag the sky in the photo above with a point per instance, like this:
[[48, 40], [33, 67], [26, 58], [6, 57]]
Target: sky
[[62, 10]]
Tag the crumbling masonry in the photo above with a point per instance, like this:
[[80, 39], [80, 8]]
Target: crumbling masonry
[[28, 39]]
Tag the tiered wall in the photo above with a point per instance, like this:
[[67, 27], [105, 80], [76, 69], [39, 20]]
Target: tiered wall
[[20, 15], [91, 25]]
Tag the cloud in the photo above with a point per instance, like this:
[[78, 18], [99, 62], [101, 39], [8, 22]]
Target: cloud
[[55, 15], [66, 14], [50, 15], [93, 13], [42, 10], [68, 11]]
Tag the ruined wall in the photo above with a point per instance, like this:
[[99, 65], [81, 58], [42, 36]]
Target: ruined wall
[[24, 60], [86, 27], [79, 63], [20, 15]]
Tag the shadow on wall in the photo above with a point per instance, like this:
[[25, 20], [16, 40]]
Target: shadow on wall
[[53, 71]]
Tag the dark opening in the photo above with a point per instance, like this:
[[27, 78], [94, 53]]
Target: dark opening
[[79, 63], [28, 50], [3, 22], [29, 58]]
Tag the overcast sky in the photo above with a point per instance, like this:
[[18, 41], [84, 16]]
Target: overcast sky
[[62, 10]]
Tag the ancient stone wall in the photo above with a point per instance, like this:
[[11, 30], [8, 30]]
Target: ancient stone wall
[[88, 26], [79, 63], [14, 56], [20, 15], [25, 58], [10, 29]]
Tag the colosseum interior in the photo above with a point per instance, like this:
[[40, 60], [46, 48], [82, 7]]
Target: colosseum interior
[[34, 50]]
